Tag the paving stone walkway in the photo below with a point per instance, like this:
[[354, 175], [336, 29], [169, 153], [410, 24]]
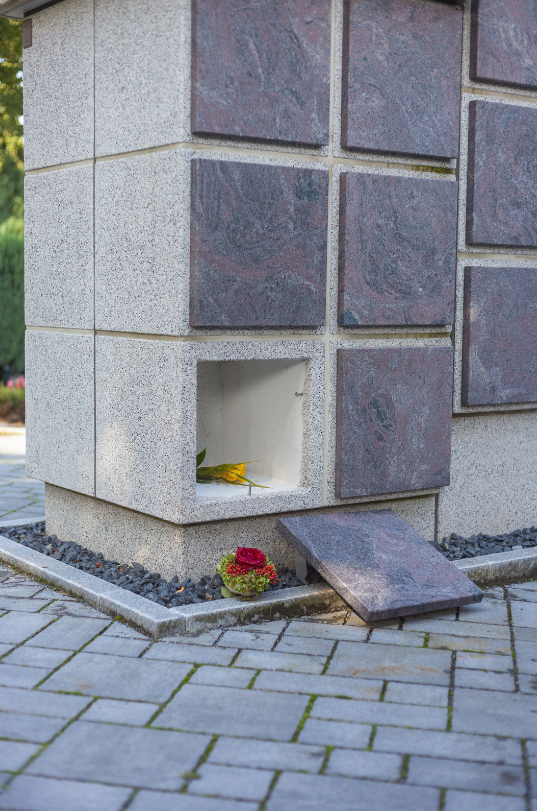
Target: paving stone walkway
[[436, 713], [21, 498]]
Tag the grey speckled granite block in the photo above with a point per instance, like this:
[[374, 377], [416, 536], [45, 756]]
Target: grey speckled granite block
[[261, 70], [378, 564], [258, 245], [59, 409], [401, 77], [397, 250], [499, 350], [502, 175], [503, 37], [58, 248], [58, 85], [393, 412]]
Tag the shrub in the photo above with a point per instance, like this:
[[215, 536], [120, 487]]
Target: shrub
[[12, 404], [12, 294]]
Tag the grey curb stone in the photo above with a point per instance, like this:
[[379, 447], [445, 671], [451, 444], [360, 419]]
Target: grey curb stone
[[507, 567]]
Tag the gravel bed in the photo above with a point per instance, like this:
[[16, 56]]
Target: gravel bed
[[456, 547], [133, 578]]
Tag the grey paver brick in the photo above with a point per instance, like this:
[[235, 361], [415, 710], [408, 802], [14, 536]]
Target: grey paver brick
[[485, 661], [385, 662], [351, 633], [374, 712], [474, 629], [197, 638], [491, 713], [524, 614], [386, 636], [199, 654], [18, 626], [228, 781], [13, 755], [448, 745], [528, 684], [469, 643], [491, 612], [69, 633], [273, 660], [49, 593], [267, 755], [308, 645], [270, 627], [484, 680], [526, 656], [335, 733], [248, 639], [523, 593], [43, 794], [219, 709], [34, 729], [19, 591], [5, 648], [304, 792], [156, 801], [222, 676], [531, 747], [69, 608], [374, 765], [423, 694], [121, 755], [49, 658], [117, 646], [30, 604], [98, 674], [121, 630], [20, 676], [331, 617], [319, 685], [13, 699], [111, 711], [427, 771], [470, 801]]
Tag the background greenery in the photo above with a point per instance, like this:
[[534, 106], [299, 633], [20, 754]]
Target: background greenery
[[11, 201]]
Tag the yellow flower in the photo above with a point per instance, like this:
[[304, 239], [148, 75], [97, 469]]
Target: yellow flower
[[234, 473]]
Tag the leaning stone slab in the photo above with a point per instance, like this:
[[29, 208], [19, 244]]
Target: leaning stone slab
[[379, 565]]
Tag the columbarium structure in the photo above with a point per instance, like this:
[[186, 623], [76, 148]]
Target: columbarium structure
[[298, 233]]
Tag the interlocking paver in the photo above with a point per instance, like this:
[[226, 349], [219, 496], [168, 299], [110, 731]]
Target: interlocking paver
[[374, 712], [319, 685], [300, 644], [386, 662], [219, 709], [248, 639], [451, 745], [121, 755], [373, 765], [270, 627], [22, 604], [528, 684], [27, 654], [68, 608], [13, 755], [222, 676], [469, 643], [484, 680], [470, 801], [5, 648], [229, 781], [19, 591], [18, 626], [428, 771], [19, 676], [200, 654], [328, 631], [69, 633], [524, 614], [530, 595], [335, 733], [487, 611], [491, 713], [198, 638], [485, 661], [426, 694], [13, 699], [273, 660], [156, 801], [267, 755], [385, 636], [304, 792], [43, 794], [110, 711], [474, 629], [34, 729], [119, 630], [117, 647], [107, 676]]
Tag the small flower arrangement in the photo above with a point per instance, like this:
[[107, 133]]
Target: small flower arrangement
[[19, 383], [231, 473], [246, 572]]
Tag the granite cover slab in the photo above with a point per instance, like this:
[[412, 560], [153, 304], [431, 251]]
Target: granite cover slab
[[257, 245], [502, 175], [499, 347], [261, 70], [503, 37], [401, 77], [393, 419], [397, 250], [378, 564]]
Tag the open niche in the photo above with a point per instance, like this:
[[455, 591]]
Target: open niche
[[251, 410]]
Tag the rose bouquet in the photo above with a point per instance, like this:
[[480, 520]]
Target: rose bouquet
[[246, 572]]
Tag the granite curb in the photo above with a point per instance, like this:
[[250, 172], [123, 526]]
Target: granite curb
[[506, 567], [22, 522]]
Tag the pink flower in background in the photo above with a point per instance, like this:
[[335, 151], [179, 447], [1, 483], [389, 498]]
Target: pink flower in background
[[19, 383]]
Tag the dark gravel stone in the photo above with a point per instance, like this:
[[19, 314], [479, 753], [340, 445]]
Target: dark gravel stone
[[456, 547], [131, 577]]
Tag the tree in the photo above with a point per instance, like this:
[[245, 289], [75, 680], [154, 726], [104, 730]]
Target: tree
[[11, 149]]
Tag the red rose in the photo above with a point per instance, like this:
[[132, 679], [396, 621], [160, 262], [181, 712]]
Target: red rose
[[250, 558]]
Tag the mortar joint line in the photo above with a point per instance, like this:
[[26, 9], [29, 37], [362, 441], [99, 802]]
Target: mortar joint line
[[164, 704], [270, 790], [203, 759], [512, 638], [527, 774], [451, 691], [280, 635], [330, 657]]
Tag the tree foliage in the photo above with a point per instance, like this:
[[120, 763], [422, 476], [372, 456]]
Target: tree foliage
[[12, 294], [11, 151]]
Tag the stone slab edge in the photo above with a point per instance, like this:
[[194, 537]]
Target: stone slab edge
[[17, 8], [489, 570]]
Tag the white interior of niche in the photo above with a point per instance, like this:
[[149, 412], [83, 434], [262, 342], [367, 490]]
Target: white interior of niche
[[251, 410]]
